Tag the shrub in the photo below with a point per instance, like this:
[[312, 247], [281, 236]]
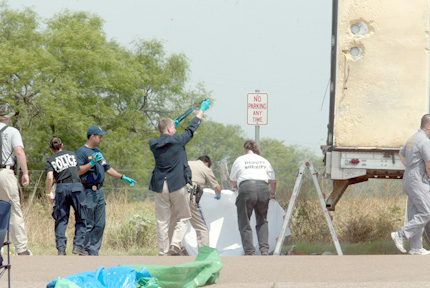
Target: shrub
[[135, 232], [355, 219]]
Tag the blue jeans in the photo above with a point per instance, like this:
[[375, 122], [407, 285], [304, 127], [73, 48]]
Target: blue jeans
[[66, 195], [96, 220], [253, 196]]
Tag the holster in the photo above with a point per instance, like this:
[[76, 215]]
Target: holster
[[196, 191]]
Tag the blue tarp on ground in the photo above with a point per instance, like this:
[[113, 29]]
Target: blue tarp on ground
[[115, 277], [204, 270]]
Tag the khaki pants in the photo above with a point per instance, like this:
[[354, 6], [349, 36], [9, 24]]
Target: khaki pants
[[167, 203], [9, 192], [198, 222]]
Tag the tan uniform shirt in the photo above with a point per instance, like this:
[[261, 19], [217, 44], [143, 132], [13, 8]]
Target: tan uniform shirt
[[202, 175]]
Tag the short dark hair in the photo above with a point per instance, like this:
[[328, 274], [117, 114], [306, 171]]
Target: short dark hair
[[425, 120], [205, 159]]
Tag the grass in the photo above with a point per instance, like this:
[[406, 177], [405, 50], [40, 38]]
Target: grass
[[130, 227], [359, 217], [363, 225], [379, 247]]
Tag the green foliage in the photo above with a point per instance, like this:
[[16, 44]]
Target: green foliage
[[138, 230], [380, 247], [360, 219], [67, 76], [223, 143], [286, 161]]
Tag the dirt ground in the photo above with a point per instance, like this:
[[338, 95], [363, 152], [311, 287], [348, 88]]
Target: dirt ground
[[246, 271]]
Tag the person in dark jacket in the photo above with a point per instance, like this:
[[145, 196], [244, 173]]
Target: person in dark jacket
[[63, 167], [169, 179]]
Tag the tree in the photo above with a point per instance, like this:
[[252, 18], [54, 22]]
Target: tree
[[68, 76], [286, 161], [220, 142]]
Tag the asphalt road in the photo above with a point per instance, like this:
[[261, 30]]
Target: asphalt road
[[247, 271]]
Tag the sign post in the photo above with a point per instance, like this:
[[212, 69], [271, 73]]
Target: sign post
[[257, 114]]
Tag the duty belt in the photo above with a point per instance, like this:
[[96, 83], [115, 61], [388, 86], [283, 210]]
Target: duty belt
[[6, 167], [69, 181], [253, 181], [94, 187]]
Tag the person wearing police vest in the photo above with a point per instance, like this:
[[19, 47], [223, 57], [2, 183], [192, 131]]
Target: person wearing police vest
[[93, 168], [63, 167]]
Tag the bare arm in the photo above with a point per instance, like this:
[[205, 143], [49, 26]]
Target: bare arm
[[211, 181], [233, 185], [200, 114], [217, 190], [49, 182], [113, 173], [22, 161], [272, 184], [402, 158], [84, 168]]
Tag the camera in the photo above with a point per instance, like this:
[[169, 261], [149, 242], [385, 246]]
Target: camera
[[103, 162]]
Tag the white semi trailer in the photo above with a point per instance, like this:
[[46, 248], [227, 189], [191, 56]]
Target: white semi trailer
[[379, 88]]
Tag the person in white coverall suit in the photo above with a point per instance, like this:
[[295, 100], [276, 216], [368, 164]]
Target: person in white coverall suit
[[415, 155]]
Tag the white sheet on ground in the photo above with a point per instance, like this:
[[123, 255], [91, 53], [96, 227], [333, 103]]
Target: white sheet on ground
[[221, 218]]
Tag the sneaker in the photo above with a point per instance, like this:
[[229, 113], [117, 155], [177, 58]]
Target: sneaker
[[421, 251], [61, 253], [80, 251], [399, 241], [174, 251], [25, 253]]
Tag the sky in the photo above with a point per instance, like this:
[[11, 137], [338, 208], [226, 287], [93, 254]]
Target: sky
[[235, 47]]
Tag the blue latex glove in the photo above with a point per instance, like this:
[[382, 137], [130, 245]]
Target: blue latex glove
[[217, 197], [176, 122], [97, 157], [205, 105], [129, 180]]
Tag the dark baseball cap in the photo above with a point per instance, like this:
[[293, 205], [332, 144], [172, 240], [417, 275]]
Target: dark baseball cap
[[95, 130]]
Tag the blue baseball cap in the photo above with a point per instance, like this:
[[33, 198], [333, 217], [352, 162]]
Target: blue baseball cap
[[95, 130]]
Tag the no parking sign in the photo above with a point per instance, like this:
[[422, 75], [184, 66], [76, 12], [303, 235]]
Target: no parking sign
[[258, 108]]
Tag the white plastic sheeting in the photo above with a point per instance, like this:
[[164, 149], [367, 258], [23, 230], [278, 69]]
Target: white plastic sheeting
[[221, 218]]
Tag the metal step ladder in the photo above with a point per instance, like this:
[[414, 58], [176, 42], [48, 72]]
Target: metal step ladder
[[289, 214]]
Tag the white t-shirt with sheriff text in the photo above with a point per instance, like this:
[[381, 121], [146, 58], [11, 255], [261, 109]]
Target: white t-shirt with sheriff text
[[251, 167]]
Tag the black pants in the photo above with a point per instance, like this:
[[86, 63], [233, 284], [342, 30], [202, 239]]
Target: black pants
[[253, 196], [66, 195]]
